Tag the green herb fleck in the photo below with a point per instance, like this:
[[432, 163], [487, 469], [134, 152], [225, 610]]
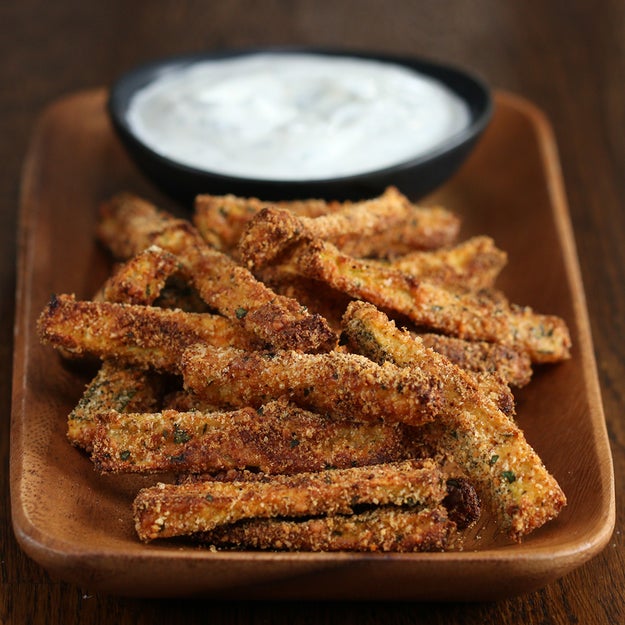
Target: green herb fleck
[[240, 312], [509, 475], [180, 436], [493, 459], [124, 398], [124, 455]]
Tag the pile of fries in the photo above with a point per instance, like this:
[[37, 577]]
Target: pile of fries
[[315, 375]]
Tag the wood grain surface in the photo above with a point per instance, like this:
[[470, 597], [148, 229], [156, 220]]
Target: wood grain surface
[[566, 57]]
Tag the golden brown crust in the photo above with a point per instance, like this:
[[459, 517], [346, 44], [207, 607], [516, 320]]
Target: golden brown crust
[[507, 472], [221, 219], [119, 387], [369, 332], [277, 438], [473, 264], [168, 510], [382, 529], [462, 504], [128, 225], [338, 384], [317, 296], [512, 365], [143, 335], [465, 314], [386, 225], [478, 436], [140, 279], [383, 461]]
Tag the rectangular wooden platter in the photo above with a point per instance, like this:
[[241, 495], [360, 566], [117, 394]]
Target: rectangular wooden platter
[[77, 524]]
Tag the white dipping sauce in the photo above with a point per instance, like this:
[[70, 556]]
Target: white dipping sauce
[[294, 116]]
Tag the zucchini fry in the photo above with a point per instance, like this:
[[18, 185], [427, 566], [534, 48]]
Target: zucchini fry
[[317, 296], [381, 529], [461, 501], [369, 332], [128, 225], [168, 510], [276, 438], [514, 366], [140, 279], [479, 437], [142, 335], [115, 387], [221, 219], [473, 264], [119, 386], [152, 277], [463, 314], [339, 384], [386, 225]]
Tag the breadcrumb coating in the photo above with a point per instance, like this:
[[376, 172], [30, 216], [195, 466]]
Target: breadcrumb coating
[[277, 438], [168, 510], [128, 225]]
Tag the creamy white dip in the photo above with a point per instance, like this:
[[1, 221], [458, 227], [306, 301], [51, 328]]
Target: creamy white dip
[[294, 116]]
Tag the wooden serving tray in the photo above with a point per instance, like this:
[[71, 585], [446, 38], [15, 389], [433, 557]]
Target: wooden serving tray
[[77, 524]]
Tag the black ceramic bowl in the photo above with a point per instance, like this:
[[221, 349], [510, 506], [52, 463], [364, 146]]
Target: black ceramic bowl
[[415, 177]]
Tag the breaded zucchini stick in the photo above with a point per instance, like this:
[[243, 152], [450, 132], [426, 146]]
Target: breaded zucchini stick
[[140, 279], [386, 226], [461, 501], [479, 437], [168, 510], [120, 386], [369, 332], [474, 264], [221, 219], [152, 277], [383, 226], [464, 314], [277, 438], [338, 384], [381, 529], [129, 225], [514, 366], [115, 387], [317, 296], [142, 335], [371, 228]]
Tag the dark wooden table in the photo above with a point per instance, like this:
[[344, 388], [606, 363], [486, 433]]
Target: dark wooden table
[[567, 57]]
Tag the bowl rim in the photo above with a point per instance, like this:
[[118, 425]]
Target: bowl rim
[[458, 80]]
